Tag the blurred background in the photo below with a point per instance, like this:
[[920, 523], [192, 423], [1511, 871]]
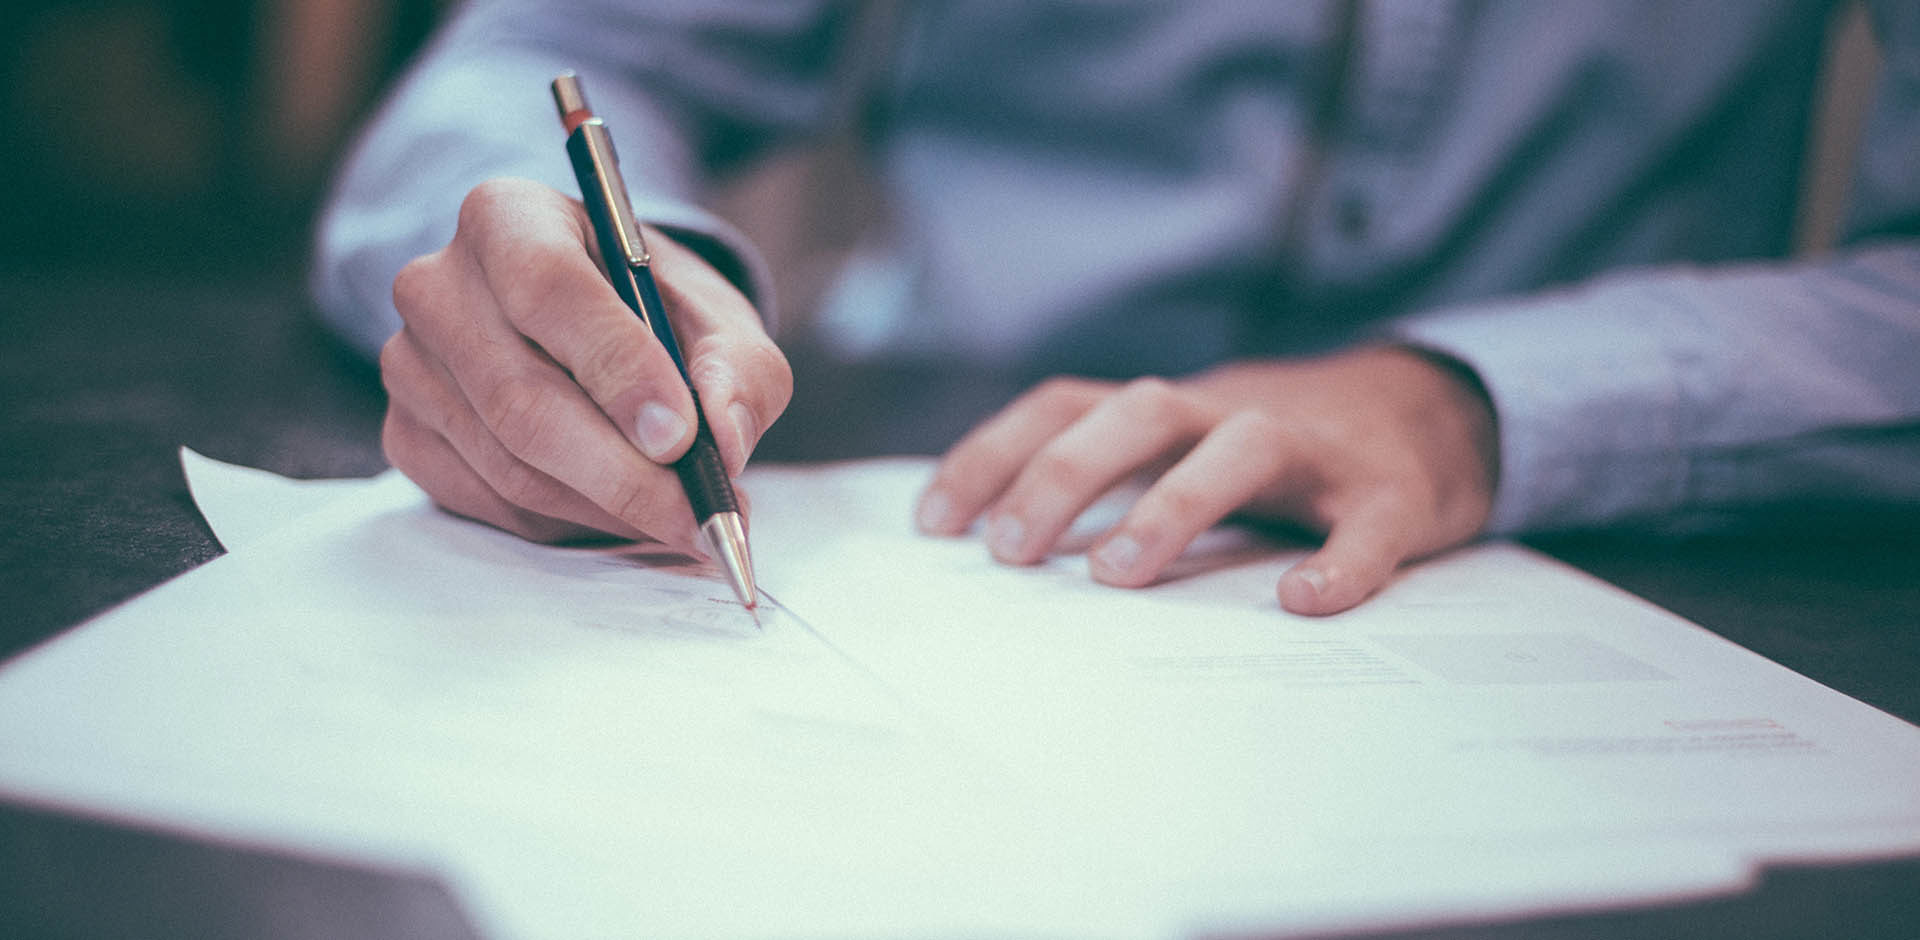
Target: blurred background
[[194, 137], [189, 137]]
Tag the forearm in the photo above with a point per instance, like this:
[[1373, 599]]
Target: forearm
[[476, 107]]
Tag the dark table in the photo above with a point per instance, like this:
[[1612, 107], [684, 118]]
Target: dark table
[[103, 382]]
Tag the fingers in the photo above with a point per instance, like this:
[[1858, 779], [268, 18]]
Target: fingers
[[1124, 432], [531, 414], [1362, 551], [533, 250], [457, 488], [515, 419], [1374, 447], [743, 380], [518, 357], [1237, 460], [1246, 455], [436, 440], [507, 406], [1376, 525], [985, 462], [541, 271]]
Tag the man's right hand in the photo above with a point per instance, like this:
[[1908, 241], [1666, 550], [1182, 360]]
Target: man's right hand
[[523, 393]]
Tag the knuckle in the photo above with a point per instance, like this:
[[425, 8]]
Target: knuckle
[[753, 369], [1054, 471], [635, 502], [766, 361], [392, 355], [606, 363], [489, 200], [1055, 389], [1173, 501], [516, 411], [714, 363], [1149, 387], [397, 443], [1060, 397], [521, 485], [394, 360], [413, 288], [1151, 400], [1259, 430], [540, 281]]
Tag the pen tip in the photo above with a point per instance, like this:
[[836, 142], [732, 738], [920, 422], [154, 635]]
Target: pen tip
[[727, 539]]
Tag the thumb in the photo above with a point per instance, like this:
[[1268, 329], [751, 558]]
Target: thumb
[[1361, 552]]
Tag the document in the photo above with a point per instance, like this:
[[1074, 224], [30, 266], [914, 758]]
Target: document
[[915, 740]]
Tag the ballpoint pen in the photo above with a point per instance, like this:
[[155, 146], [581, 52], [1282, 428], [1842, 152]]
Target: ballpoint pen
[[597, 167]]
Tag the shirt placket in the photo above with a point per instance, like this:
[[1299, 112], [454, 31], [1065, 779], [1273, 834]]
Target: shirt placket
[[1373, 141]]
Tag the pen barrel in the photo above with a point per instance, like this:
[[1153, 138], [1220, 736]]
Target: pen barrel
[[646, 300], [616, 232], [596, 167], [702, 474]]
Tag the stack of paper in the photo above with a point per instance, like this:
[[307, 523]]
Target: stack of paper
[[916, 740]]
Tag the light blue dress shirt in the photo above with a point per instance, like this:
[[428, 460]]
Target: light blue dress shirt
[[1588, 203]]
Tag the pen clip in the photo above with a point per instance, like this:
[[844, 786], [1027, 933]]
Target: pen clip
[[613, 191], [589, 134]]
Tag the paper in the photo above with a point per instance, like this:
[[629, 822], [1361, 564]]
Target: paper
[[920, 741], [1493, 697], [243, 505]]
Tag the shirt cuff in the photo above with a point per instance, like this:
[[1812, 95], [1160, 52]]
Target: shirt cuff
[[719, 244], [1589, 403]]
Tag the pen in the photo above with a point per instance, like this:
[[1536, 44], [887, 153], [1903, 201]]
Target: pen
[[616, 230]]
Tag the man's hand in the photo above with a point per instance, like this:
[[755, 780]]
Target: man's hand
[[525, 394], [1390, 453]]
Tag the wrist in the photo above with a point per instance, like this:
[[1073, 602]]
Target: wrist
[[1455, 409]]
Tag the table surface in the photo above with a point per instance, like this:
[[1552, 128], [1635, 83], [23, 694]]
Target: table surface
[[104, 381]]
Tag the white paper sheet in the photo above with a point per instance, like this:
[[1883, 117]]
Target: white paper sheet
[[919, 741], [242, 504]]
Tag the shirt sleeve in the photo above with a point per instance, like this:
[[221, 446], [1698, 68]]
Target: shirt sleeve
[[1684, 397], [687, 89]]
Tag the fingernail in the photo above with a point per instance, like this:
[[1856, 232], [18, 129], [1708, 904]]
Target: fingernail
[[658, 428], [1301, 587], [1314, 578], [744, 429], [935, 507], [1005, 537], [1118, 555]]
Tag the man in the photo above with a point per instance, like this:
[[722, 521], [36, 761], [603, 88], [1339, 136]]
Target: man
[[1533, 249]]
